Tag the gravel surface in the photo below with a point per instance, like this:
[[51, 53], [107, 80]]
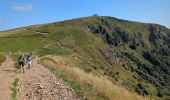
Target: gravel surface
[[40, 84]]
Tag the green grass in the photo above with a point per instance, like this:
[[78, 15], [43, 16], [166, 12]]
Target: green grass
[[2, 58], [54, 51], [22, 44], [14, 89]]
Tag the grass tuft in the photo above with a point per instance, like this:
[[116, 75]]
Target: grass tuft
[[14, 89], [2, 58]]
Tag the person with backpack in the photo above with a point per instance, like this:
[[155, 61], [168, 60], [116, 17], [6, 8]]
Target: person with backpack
[[21, 62], [29, 60]]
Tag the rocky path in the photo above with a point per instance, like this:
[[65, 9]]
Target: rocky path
[[7, 76], [39, 84]]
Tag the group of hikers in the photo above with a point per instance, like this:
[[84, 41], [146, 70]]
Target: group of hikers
[[22, 60]]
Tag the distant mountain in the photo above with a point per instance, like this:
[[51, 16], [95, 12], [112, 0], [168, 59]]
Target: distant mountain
[[135, 55]]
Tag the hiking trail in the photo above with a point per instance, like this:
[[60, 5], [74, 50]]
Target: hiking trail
[[38, 83], [7, 76]]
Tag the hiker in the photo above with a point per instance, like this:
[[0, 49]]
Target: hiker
[[29, 60], [21, 61]]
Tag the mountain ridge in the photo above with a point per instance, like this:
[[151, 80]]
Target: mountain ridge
[[135, 55], [87, 17]]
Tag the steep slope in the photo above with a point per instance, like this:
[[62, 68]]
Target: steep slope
[[135, 55], [145, 45]]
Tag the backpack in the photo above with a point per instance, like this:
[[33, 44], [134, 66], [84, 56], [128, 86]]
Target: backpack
[[21, 59], [29, 58]]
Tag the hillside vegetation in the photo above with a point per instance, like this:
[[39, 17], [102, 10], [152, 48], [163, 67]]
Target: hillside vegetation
[[96, 87], [132, 55]]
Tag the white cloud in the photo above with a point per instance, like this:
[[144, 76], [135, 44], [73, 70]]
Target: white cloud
[[23, 8]]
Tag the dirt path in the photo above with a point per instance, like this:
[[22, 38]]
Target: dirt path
[[39, 84], [6, 78]]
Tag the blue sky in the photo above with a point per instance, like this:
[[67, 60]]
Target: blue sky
[[19, 13]]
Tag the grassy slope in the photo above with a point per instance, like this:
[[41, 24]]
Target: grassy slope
[[86, 85], [71, 37]]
